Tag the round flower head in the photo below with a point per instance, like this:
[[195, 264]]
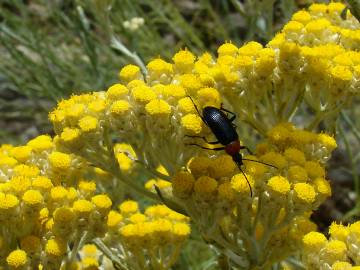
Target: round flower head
[[129, 73], [242, 183], [183, 183], [17, 259]]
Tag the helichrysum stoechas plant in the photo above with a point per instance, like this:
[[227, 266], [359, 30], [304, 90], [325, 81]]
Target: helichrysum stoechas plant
[[260, 230], [339, 252], [149, 240], [47, 209], [266, 86], [144, 122], [48, 212]]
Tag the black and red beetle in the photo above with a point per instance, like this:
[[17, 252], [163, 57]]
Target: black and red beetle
[[224, 130]]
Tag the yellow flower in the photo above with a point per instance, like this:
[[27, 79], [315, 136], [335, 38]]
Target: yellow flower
[[83, 206], [55, 247], [70, 135], [209, 96], [181, 230], [339, 265], [19, 184], [186, 106], [60, 161], [97, 106], [328, 141], [205, 186], [314, 169], [64, 215], [297, 174], [143, 94], [90, 263], [322, 186], [42, 183], [316, 26], [313, 241], [192, 123], [88, 124], [21, 153], [279, 185], [128, 207], [129, 73], [227, 49], [251, 48], [119, 107], [342, 73], [159, 67], [239, 183], [8, 201], [17, 258], [226, 191], [41, 143], [114, 219], [338, 231], [294, 155], [183, 183], [116, 91], [222, 166], [301, 16], [275, 159], [158, 107], [32, 198], [137, 218], [184, 61], [58, 193], [305, 193], [333, 251], [101, 202]]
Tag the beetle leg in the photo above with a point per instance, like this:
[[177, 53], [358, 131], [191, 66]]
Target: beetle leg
[[225, 110], [203, 147], [247, 149], [204, 138]]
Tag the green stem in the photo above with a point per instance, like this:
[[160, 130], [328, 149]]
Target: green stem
[[298, 100], [353, 164], [108, 253], [118, 45]]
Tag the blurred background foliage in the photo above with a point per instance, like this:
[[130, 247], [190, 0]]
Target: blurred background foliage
[[51, 49]]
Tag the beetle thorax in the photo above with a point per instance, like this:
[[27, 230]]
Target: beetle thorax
[[233, 148]]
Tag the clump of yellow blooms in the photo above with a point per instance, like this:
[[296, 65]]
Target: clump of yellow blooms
[[267, 227], [47, 209], [149, 240], [57, 194], [339, 252]]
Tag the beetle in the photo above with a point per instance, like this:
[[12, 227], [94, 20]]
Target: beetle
[[225, 132]]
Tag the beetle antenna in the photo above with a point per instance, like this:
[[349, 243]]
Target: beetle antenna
[[239, 166], [261, 162]]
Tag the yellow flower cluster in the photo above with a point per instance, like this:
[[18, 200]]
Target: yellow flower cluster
[[318, 59], [86, 124], [339, 252], [149, 240], [47, 210], [267, 227], [152, 112], [144, 121], [134, 240]]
